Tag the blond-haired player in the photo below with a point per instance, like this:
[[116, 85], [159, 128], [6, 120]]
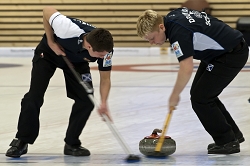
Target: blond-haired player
[[222, 52]]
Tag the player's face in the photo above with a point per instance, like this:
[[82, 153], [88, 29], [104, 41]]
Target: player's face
[[97, 54], [156, 37]]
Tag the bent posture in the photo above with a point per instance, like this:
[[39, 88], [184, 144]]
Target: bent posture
[[222, 52], [81, 43]]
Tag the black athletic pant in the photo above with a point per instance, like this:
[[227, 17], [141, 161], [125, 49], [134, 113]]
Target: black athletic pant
[[43, 69], [206, 88]]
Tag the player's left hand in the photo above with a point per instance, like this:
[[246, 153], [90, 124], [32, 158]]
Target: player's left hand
[[173, 100], [103, 109]]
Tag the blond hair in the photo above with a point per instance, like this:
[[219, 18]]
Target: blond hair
[[148, 22]]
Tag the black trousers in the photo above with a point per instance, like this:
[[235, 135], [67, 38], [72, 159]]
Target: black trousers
[[207, 85], [42, 71]]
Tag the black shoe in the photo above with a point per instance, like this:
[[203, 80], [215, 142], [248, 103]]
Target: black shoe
[[76, 150], [229, 148], [17, 149], [238, 136]]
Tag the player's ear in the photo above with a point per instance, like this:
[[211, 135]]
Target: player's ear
[[162, 27], [88, 46]]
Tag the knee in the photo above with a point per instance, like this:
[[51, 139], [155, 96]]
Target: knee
[[202, 98], [88, 105], [197, 96], [32, 99]]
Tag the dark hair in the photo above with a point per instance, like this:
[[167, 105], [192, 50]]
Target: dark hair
[[100, 39]]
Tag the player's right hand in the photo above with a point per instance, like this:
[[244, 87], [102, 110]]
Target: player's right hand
[[57, 48]]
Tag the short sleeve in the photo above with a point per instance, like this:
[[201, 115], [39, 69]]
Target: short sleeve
[[63, 27], [105, 64], [181, 40]]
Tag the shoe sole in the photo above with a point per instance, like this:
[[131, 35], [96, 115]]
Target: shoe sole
[[71, 153], [231, 152]]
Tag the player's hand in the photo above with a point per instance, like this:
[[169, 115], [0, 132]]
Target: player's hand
[[172, 108], [103, 109], [173, 100], [57, 48]]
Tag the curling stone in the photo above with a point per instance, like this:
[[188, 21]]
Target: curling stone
[[148, 144]]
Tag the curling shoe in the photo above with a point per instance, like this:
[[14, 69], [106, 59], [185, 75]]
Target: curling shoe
[[76, 150], [17, 148], [238, 136], [229, 148]]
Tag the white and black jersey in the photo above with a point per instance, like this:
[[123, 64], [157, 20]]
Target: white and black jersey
[[69, 32], [197, 34]]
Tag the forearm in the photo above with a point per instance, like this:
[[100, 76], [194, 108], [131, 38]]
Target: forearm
[[47, 12], [105, 85], [181, 81], [184, 74], [104, 90]]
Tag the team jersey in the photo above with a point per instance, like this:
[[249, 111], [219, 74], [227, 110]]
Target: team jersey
[[69, 32], [197, 34]]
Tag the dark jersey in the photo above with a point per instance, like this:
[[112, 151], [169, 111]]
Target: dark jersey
[[193, 33], [69, 34]]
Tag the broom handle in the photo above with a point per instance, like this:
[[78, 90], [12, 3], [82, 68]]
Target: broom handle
[[117, 135], [87, 88], [162, 137]]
